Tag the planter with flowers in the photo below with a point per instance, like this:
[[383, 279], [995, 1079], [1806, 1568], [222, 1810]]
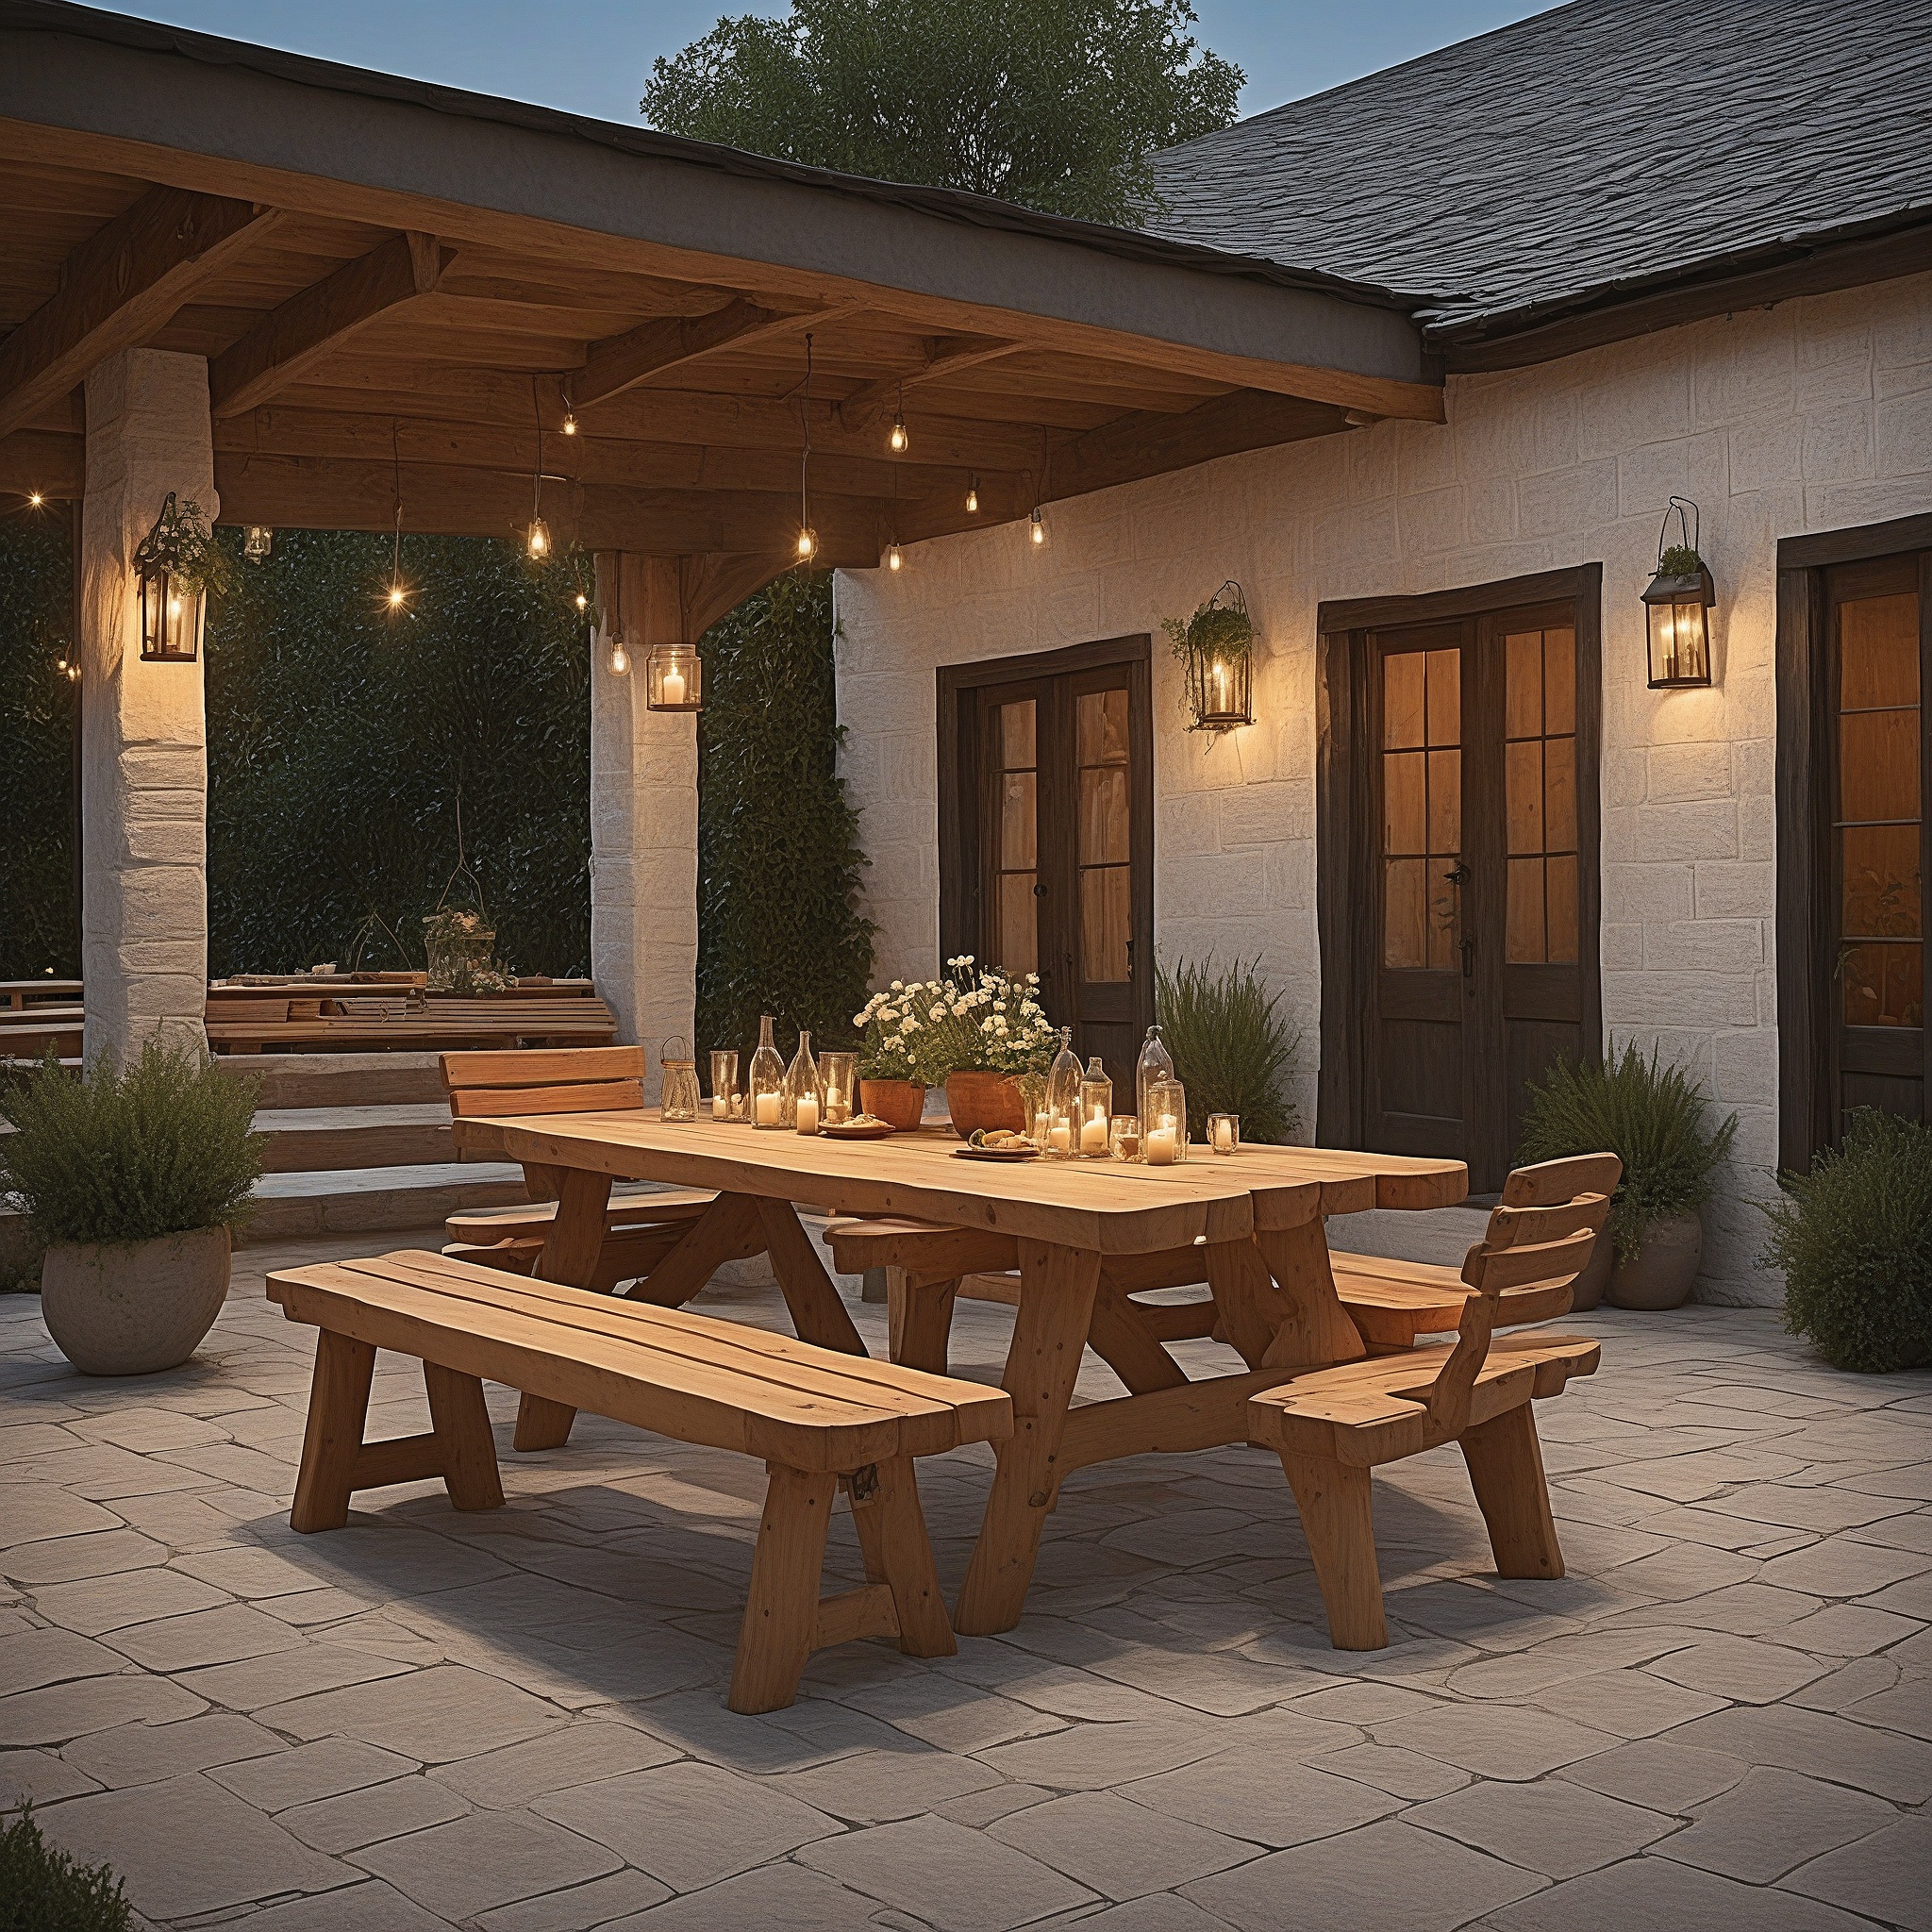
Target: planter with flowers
[[982, 1036]]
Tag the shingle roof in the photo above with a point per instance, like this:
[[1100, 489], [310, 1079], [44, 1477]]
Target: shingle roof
[[1515, 174]]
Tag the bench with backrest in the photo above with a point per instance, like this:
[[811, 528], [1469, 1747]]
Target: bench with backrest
[[320, 1016], [1331, 1425], [821, 1420]]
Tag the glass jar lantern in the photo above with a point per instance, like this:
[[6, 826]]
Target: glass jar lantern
[[1062, 1112], [764, 1099], [1223, 1133], [1156, 1064], [1123, 1136], [725, 1104], [1164, 1125], [1096, 1110], [674, 678], [678, 1097], [839, 1074], [804, 1095]]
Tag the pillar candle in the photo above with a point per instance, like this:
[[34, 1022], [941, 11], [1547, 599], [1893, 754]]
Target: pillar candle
[[673, 688], [768, 1109], [807, 1113], [1223, 1136], [721, 1107], [1060, 1137], [1093, 1136], [1160, 1145]]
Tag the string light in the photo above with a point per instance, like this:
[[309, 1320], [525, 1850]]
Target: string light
[[570, 416], [895, 557], [583, 601], [35, 500], [397, 595], [1037, 531], [972, 498], [898, 440], [537, 541], [808, 537], [620, 658]]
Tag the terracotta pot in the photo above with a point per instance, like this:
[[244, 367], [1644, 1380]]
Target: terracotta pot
[[1587, 1291], [898, 1103], [985, 1102], [134, 1308], [1659, 1275]]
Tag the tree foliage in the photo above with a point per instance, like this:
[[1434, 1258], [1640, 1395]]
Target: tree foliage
[[1054, 104], [779, 861]]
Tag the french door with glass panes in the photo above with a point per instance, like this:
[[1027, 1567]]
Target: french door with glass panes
[[1047, 853], [1483, 960]]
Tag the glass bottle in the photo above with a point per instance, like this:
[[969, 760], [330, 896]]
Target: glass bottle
[[1096, 1110], [840, 1071], [725, 1102], [1063, 1109], [804, 1095], [764, 1099], [678, 1097], [1156, 1064], [1164, 1125]]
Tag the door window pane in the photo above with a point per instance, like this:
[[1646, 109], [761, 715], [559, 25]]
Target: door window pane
[[1105, 923], [1880, 818], [1539, 797], [1104, 727], [1015, 839], [1103, 816], [1102, 841], [1422, 807]]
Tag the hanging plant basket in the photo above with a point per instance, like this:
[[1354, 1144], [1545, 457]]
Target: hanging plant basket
[[1215, 647]]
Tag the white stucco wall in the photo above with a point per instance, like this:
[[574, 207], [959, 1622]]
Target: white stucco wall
[[1813, 415]]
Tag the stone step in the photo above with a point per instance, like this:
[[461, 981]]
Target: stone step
[[322, 1138], [355, 1200], [338, 1079]]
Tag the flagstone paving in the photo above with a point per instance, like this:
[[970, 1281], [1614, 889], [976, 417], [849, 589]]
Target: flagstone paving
[[515, 1721]]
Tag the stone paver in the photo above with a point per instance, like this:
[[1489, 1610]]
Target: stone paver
[[1721, 1715]]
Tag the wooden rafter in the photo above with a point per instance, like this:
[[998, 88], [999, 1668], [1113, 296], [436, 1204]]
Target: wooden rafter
[[621, 362], [314, 323], [945, 356], [120, 286]]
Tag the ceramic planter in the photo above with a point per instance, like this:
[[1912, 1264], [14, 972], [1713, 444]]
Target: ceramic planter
[[898, 1103], [1659, 1275], [134, 1308], [1587, 1291], [985, 1102]]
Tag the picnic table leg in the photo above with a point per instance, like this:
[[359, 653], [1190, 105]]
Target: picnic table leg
[[1056, 1290], [728, 1230], [570, 1256], [1317, 1328], [818, 1315]]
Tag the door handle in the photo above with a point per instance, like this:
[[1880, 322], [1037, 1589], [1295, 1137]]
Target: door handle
[[1459, 873], [1469, 958], [1040, 891]]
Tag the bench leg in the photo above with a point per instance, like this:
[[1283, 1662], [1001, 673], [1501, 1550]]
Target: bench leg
[[463, 1437], [919, 1316], [1333, 1498], [338, 1407], [1505, 1470], [570, 1256], [898, 1553], [781, 1613]]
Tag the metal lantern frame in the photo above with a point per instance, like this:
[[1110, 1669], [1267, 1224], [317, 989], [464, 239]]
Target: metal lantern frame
[[174, 611], [1677, 608], [674, 678], [1220, 688]]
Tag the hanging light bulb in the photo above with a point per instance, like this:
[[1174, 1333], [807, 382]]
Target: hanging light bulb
[[620, 658], [972, 498], [1037, 531], [570, 418], [396, 596], [583, 602], [807, 546], [895, 557], [808, 537], [537, 540], [33, 499], [898, 440]]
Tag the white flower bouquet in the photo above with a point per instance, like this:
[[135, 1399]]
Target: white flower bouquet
[[971, 1021]]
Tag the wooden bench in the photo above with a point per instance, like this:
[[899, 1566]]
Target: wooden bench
[[821, 1420], [1393, 1302], [320, 1016], [1331, 1425]]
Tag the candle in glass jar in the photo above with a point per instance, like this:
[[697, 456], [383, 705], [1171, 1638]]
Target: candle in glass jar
[[721, 1107], [1223, 1136], [1060, 1137], [1160, 1145], [807, 1113], [1093, 1136], [768, 1109], [674, 687]]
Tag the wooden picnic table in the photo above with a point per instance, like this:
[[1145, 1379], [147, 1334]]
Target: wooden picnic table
[[1259, 1213]]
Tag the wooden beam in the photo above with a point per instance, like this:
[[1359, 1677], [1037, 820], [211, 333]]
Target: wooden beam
[[32, 462], [120, 286], [620, 362], [309, 327], [944, 356]]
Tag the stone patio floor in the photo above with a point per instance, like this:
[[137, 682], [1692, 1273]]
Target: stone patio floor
[[515, 1721]]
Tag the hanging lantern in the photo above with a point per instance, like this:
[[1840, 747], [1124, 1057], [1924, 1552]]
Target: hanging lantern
[[536, 541], [175, 562], [1676, 606], [1037, 531], [255, 546], [1216, 646], [620, 658], [972, 498], [895, 557], [674, 678], [807, 545]]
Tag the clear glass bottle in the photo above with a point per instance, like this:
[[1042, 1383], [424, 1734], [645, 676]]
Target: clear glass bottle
[[725, 1104], [678, 1097], [1156, 1064], [1096, 1110], [840, 1074], [764, 1097], [1063, 1109], [804, 1104], [1164, 1125]]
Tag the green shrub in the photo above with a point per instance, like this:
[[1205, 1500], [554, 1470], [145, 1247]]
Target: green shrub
[[1652, 1117], [1231, 1046], [162, 1149], [43, 1889], [1854, 1237]]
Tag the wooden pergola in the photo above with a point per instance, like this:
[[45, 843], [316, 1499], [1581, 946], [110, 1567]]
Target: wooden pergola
[[395, 285]]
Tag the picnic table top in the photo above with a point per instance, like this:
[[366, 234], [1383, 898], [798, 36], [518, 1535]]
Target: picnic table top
[[1109, 1207]]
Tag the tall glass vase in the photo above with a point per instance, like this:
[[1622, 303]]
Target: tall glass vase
[[804, 1104], [764, 1098]]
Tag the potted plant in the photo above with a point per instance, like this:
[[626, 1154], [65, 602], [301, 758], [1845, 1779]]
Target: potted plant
[[1853, 1239], [1654, 1119], [133, 1182], [980, 1035], [1233, 1048]]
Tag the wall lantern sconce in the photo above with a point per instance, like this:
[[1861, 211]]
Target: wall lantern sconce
[[1215, 648], [1676, 606], [674, 678], [256, 546], [177, 563]]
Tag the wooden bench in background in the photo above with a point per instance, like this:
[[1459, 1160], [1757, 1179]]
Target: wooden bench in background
[[821, 1420], [332, 1015]]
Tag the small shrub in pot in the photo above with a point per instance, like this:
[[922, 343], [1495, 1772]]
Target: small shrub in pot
[[1233, 1048], [1854, 1237], [133, 1182], [1655, 1121]]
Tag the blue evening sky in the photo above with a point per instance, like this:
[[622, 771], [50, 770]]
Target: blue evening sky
[[591, 56]]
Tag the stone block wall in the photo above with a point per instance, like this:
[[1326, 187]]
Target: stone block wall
[[1813, 415]]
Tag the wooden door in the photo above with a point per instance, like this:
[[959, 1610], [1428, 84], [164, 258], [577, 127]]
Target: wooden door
[[1878, 644], [1046, 853], [1481, 965]]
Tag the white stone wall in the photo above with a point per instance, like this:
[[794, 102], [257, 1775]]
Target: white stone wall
[[1813, 415], [143, 778]]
